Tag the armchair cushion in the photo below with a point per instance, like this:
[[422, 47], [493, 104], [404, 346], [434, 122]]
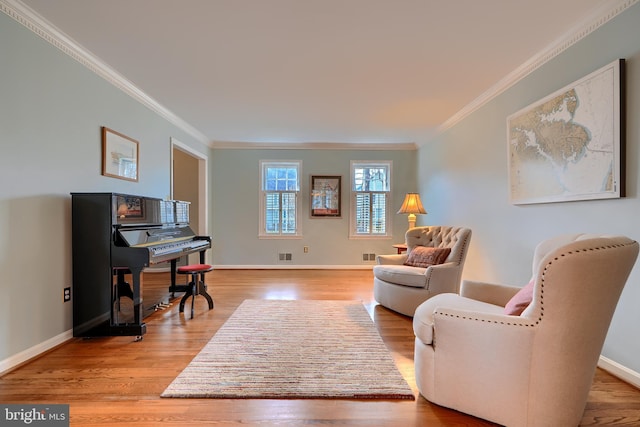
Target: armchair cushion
[[391, 259], [520, 300], [408, 276], [422, 256]]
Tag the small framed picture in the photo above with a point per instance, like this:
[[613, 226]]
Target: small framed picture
[[129, 207], [325, 196], [119, 155]]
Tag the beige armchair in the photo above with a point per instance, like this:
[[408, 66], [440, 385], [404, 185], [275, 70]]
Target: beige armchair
[[536, 368], [402, 287]]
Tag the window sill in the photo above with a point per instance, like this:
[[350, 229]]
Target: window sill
[[280, 236]]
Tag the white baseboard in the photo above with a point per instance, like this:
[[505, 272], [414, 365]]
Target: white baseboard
[[34, 351], [293, 267], [617, 370], [277, 267]]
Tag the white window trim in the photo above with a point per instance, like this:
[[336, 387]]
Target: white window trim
[[352, 201], [262, 234]]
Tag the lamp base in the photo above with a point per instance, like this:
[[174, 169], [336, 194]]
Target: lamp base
[[412, 221]]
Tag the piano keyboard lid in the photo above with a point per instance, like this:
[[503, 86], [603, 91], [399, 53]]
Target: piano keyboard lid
[[141, 237]]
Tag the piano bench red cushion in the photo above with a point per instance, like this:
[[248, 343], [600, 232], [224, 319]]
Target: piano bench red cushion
[[194, 268]]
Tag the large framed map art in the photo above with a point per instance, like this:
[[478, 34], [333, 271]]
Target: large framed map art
[[570, 145]]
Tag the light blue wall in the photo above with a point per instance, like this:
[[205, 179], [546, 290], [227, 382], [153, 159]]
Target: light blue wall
[[51, 111], [463, 173], [52, 108], [236, 179]]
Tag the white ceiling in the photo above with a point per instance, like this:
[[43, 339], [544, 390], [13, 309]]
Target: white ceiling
[[301, 71]]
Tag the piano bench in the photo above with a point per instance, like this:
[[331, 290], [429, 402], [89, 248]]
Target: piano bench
[[196, 286]]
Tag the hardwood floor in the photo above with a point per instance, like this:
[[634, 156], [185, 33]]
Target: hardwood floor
[[116, 381]]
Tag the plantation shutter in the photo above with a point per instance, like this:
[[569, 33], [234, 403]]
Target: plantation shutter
[[288, 213], [272, 204], [379, 212], [363, 213]]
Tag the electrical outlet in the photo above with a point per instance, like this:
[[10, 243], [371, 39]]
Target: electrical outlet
[[306, 249], [66, 294]]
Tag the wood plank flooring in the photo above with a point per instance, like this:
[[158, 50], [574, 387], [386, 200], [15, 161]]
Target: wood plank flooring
[[116, 381]]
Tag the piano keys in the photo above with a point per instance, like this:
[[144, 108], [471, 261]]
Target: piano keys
[[114, 238]]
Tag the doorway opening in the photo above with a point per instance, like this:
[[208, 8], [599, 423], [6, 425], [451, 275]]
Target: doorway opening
[[189, 184]]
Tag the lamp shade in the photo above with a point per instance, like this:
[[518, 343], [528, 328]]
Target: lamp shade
[[412, 205]]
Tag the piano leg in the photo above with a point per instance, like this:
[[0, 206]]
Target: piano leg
[[120, 289], [136, 327], [137, 295], [123, 288], [172, 288]]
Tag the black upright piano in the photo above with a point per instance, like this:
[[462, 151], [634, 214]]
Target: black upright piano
[[114, 238]]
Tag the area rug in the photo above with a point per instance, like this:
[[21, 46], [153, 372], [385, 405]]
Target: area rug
[[283, 349]]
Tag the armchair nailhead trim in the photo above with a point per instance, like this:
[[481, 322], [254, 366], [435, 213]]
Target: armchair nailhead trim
[[501, 322], [597, 248], [539, 319]]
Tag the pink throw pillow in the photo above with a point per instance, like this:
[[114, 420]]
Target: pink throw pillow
[[423, 256], [520, 301]]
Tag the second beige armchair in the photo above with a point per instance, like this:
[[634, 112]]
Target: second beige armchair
[[534, 369], [432, 265]]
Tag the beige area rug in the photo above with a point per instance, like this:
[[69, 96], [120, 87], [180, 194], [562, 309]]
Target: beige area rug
[[280, 349]]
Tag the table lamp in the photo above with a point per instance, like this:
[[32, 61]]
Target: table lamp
[[412, 206]]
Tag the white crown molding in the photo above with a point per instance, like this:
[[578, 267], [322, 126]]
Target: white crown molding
[[231, 145], [608, 11], [31, 20], [34, 22]]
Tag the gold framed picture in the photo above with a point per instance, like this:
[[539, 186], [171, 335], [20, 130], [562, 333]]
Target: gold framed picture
[[119, 155]]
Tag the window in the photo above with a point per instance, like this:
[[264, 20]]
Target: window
[[370, 187], [279, 190]]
